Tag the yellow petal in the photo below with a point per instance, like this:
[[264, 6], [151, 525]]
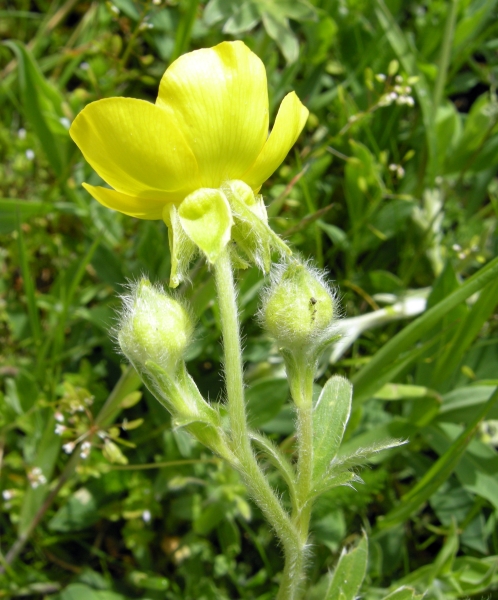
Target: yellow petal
[[219, 96], [135, 147], [141, 208], [291, 118]]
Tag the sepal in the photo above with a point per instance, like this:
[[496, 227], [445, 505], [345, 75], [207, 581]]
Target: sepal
[[181, 247], [251, 231], [206, 218]]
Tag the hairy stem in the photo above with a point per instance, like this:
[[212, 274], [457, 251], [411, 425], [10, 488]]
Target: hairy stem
[[304, 410], [253, 476]]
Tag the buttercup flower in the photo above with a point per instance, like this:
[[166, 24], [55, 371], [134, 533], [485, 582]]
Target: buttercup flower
[[209, 126]]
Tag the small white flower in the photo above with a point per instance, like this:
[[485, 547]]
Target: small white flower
[[380, 77], [85, 449], [7, 494], [393, 167], [398, 79], [21, 134], [456, 247], [65, 122], [400, 172], [60, 429], [385, 100], [146, 516], [114, 9], [69, 447], [30, 154], [84, 66], [36, 477], [59, 417]]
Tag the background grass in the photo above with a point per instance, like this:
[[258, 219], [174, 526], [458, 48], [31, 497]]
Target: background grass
[[396, 199]]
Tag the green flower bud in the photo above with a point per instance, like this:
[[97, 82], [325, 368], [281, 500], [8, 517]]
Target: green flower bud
[[154, 327], [298, 307]]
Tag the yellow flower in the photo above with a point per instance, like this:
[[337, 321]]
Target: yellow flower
[[209, 125]]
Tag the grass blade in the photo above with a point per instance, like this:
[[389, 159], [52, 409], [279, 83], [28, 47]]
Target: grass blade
[[437, 474], [366, 381], [29, 287]]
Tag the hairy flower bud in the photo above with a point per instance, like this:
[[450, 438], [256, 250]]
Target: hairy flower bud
[[154, 327], [298, 308]]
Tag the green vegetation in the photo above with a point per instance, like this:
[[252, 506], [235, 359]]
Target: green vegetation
[[392, 189]]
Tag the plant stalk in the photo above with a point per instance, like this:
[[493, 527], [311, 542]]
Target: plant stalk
[[251, 471], [304, 411], [444, 60]]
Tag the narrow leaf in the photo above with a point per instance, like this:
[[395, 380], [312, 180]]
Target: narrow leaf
[[437, 474], [42, 105], [366, 381], [403, 593], [466, 333], [279, 460], [12, 210], [330, 417], [349, 573]]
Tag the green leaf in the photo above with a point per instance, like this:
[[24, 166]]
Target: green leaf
[[330, 417], [80, 511], [217, 10], [299, 10], [13, 210], [278, 459], [366, 381], [46, 457], [264, 399], [184, 28], [470, 326], [477, 468], [460, 405], [80, 591], [389, 221], [149, 582], [400, 391], [362, 184], [279, 30], [445, 284], [337, 236], [29, 286], [349, 573], [42, 104], [206, 218], [181, 247], [403, 593], [245, 18], [437, 474], [131, 399]]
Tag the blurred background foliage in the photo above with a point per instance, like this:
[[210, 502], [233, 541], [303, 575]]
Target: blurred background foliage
[[392, 189]]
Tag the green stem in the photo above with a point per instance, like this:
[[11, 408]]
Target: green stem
[[304, 469], [304, 409], [253, 476], [444, 59]]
